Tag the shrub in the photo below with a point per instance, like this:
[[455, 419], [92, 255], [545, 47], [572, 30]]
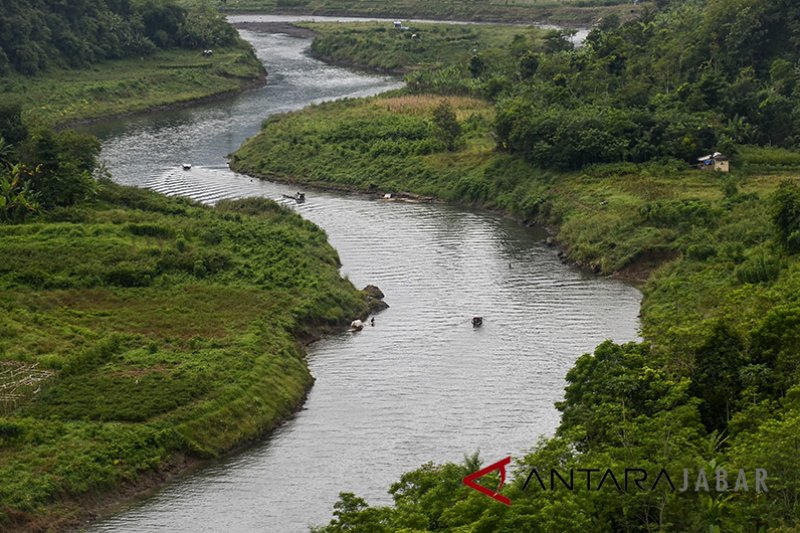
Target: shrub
[[701, 252], [786, 215], [758, 268]]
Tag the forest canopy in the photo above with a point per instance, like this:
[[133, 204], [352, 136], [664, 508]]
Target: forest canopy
[[686, 79], [38, 34]]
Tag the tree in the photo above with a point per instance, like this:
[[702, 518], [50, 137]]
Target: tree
[[17, 201], [447, 126], [716, 377], [614, 385], [558, 41], [12, 130], [786, 215], [35, 34], [353, 515], [776, 344], [477, 66], [528, 65], [773, 447]]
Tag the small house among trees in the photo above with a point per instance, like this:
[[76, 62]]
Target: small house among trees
[[716, 162]]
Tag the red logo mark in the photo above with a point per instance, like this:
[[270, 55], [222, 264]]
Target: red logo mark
[[501, 466]]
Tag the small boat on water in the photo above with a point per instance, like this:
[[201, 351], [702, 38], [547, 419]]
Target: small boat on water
[[477, 321], [187, 166], [356, 325], [299, 197]]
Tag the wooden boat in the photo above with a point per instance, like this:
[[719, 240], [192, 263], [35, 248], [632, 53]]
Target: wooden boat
[[299, 197]]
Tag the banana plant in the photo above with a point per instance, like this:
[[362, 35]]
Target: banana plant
[[17, 201]]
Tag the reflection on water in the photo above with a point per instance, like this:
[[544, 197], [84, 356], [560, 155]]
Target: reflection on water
[[422, 385]]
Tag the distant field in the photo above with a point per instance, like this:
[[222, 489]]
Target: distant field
[[580, 12], [129, 85], [377, 45]]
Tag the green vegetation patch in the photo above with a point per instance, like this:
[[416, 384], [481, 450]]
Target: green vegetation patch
[[128, 85], [580, 12], [719, 315], [155, 327], [99, 58], [381, 46]]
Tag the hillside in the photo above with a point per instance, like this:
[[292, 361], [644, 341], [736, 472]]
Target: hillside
[[77, 61], [37, 35], [141, 333], [600, 144], [157, 330]]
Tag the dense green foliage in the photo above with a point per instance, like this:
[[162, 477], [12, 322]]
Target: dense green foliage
[[160, 327], [93, 59], [717, 378], [36, 34], [42, 170], [679, 82], [716, 381]]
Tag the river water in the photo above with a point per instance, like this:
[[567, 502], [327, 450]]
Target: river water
[[422, 385]]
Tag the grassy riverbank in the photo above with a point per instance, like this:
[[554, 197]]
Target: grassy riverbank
[[155, 329], [624, 219], [597, 144], [569, 12], [703, 244], [379, 46], [167, 78], [68, 63]]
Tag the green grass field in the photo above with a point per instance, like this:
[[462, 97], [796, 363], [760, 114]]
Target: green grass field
[[152, 328], [379, 46], [130, 85]]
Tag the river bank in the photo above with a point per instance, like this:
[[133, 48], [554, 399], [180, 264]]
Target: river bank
[[168, 79], [137, 390], [379, 47], [598, 216], [719, 287]]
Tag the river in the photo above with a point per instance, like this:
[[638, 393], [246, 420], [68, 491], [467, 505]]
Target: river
[[422, 385]]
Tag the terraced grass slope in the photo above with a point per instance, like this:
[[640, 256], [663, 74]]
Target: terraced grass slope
[[142, 330]]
